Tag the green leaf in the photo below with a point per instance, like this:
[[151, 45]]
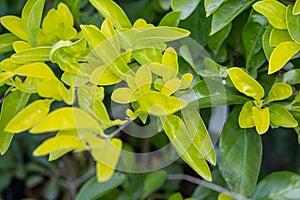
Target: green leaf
[[5, 77], [15, 25], [292, 77], [280, 116], [212, 5], [67, 118], [170, 19], [124, 95], [185, 7], [215, 41], [111, 10], [199, 134], [245, 83], [278, 36], [224, 196], [274, 11], [32, 14], [143, 78], [59, 143], [252, 34], [153, 181], [159, 104], [227, 12], [210, 93], [279, 185], [293, 24], [261, 117], [176, 196], [11, 105], [279, 91], [93, 190], [35, 70], [6, 42], [268, 49], [296, 8], [29, 116], [281, 55], [38, 54], [240, 154], [186, 148], [246, 116]]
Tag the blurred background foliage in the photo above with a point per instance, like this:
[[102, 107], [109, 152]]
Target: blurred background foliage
[[23, 176]]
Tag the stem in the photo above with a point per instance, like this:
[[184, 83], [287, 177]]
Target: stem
[[206, 184], [5, 96], [113, 134]]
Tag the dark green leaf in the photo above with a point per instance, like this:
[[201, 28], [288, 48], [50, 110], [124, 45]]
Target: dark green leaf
[[212, 5], [282, 185], [215, 41], [6, 41], [293, 24], [252, 34], [227, 12], [240, 155], [291, 77], [268, 49], [170, 19], [93, 190], [11, 105], [153, 181], [185, 7], [210, 93]]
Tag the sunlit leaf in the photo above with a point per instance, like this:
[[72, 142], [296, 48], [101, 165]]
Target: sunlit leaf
[[279, 91], [65, 119], [103, 76], [35, 70], [21, 46], [245, 83], [123, 95], [278, 36], [143, 78], [281, 55], [280, 116], [38, 54], [224, 196], [296, 8], [171, 87], [6, 42], [111, 10], [246, 116], [29, 116], [15, 25], [261, 117], [170, 19], [274, 11]]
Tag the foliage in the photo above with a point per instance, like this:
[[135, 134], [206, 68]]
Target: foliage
[[86, 83]]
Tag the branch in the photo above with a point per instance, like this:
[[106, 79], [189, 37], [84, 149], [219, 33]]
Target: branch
[[5, 96], [113, 134], [206, 184]]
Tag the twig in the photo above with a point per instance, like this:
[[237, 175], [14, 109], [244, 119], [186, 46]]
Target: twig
[[80, 180], [206, 184], [5, 96], [113, 134]]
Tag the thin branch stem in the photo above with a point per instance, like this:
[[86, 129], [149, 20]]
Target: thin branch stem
[[80, 180], [113, 134], [5, 96], [206, 184]]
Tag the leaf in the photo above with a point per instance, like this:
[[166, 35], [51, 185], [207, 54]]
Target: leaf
[[291, 77], [227, 12], [29, 116], [171, 87], [15, 25], [296, 8], [93, 190], [21, 46], [11, 105], [5, 77], [199, 134], [280, 116], [186, 149], [185, 7], [246, 116], [224, 196], [245, 83], [240, 154], [111, 10], [212, 5], [278, 36], [6, 42], [143, 78], [281, 55], [279, 91], [32, 15], [176, 196], [67, 118], [210, 93], [170, 59], [261, 117], [38, 54], [60, 142], [268, 49], [170, 19], [274, 11], [252, 34], [215, 41], [124, 95], [35, 70], [278, 185], [159, 104], [293, 24], [153, 181]]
